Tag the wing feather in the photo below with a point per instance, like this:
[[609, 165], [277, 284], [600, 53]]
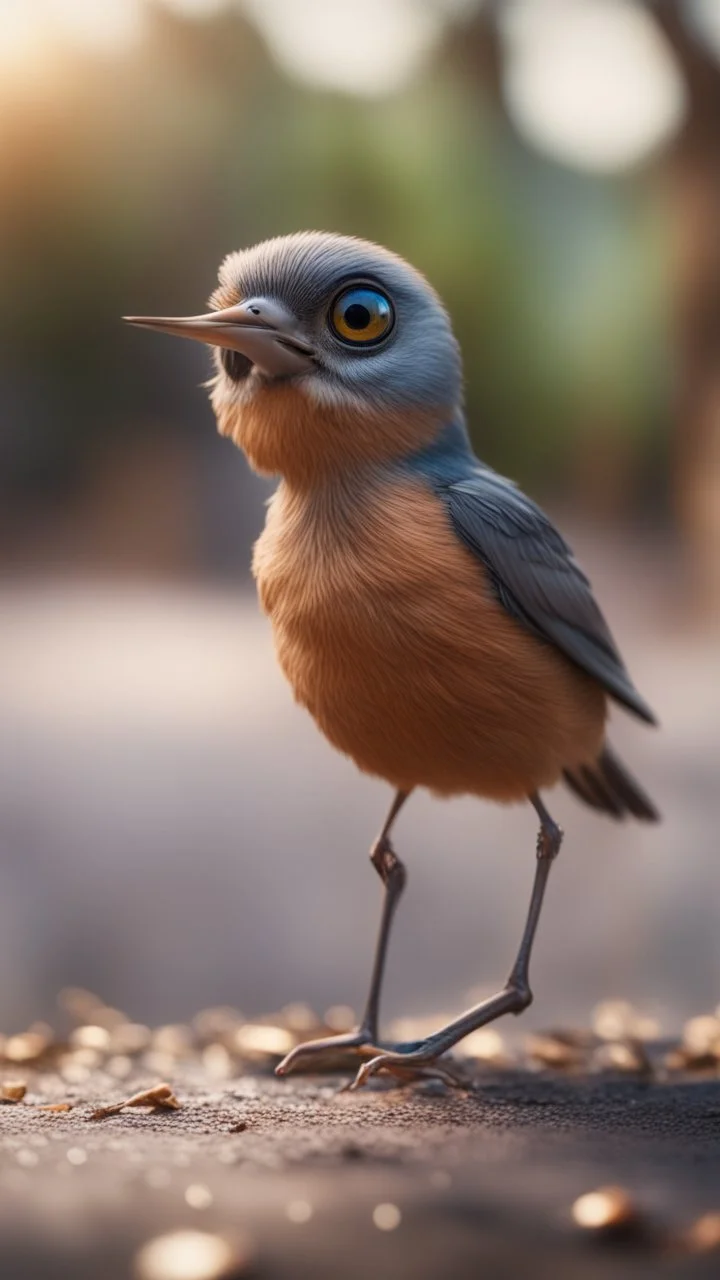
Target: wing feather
[[537, 578]]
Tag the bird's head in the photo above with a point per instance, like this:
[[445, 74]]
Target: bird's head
[[331, 353]]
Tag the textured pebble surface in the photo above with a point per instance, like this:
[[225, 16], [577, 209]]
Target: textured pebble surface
[[387, 1182]]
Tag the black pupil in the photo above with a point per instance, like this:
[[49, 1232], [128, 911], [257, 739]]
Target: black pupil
[[357, 316]]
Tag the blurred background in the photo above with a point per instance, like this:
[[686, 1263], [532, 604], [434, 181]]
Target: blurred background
[[173, 831]]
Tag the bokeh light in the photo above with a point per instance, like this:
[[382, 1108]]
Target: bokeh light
[[369, 48], [594, 84]]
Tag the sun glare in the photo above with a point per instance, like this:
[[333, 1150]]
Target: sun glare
[[368, 49], [30, 29], [18, 32]]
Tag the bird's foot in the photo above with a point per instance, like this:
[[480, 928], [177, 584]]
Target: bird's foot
[[335, 1053], [408, 1067], [344, 1052]]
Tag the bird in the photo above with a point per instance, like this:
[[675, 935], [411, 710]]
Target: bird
[[425, 611]]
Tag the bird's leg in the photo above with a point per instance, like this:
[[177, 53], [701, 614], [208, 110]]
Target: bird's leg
[[515, 995], [361, 1043]]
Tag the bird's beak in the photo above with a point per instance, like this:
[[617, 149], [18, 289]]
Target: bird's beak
[[263, 330]]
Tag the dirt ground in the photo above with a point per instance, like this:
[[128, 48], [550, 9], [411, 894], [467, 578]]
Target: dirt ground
[[292, 1173]]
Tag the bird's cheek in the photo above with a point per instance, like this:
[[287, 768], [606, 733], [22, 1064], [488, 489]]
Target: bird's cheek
[[229, 399], [325, 389]]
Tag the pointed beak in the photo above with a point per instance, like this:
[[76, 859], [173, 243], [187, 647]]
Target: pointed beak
[[263, 330]]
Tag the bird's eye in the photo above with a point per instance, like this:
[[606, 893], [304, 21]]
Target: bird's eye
[[361, 316]]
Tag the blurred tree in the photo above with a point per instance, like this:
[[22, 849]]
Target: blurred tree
[[693, 169], [125, 179]]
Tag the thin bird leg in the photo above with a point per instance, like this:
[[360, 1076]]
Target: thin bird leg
[[515, 995], [335, 1050]]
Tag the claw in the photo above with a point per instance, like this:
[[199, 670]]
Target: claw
[[336, 1053], [407, 1072]]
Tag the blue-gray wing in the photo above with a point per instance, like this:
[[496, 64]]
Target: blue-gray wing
[[536, 578]]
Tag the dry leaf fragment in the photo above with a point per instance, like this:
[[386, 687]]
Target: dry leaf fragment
[[160, 1097], [13, 1091], [56, 1106], [623, 1055], [682, 1059], [555, 1050]]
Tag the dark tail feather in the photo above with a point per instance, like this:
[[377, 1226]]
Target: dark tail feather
[[580, 788], [608, 786], [624, 785]]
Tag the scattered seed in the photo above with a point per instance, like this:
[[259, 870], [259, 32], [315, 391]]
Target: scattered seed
[[340, 1017], [28, 1046], [82, 1059], [217, 1061], [299, 1017], [554, 1050], [119, 1066], [159, 1064], [623, 1055], [487, 1045], [13, 1091], [701, 1036], [129, 1038], [55, 1106], [258, 1040], [386, 1217], [74, 1072], [175, 1040], [216, 1024], [609, 1211], [91, 1037], [618, 1020], [682, 1059]]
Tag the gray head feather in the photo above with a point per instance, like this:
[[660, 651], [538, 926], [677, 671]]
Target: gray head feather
[[419, 365]]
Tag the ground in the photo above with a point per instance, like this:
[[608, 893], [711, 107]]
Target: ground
[[292, 1172], [147, 848]]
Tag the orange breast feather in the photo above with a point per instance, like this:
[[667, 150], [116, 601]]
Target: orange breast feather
[[388, 631]]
